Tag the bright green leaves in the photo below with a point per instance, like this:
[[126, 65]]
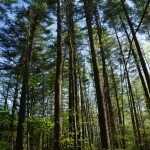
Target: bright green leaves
[[41, 124]]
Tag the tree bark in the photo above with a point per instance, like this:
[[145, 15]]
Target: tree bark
[[58, 83], [19, 140], [136, 126], [82, 111], [147, 76], [139, 70], [73, 86], [99, 92], [15, 106], [114, 143]]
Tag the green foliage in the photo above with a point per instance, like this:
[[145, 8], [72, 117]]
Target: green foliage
[[67, 140], [40, 124], [39, 8], [17, 22], [4, 145], [4, 117]]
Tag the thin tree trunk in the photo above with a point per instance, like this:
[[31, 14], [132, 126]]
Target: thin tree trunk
[[147, 76], [58, 83], [76, 100], [73, 87], [14, 107], [99, 92], [19, 140], [132, 103], [82, 111], [139, 70], [123, 142], [88, 128], [106, 85]]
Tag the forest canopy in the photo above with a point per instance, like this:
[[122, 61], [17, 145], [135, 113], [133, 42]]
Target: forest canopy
[[75, 75]]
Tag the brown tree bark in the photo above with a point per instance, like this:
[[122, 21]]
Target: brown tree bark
[[82, 111], [73, 78], [147, 96], [27, 61], [112, 128], [142, 61], [121, 126], [14, 107], [133, 110], [99, 92], [58, 83]]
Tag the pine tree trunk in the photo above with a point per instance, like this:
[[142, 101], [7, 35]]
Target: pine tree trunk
[[19, 140], [76, 100], [73, 87], [82, 111], [123, 142], [114, 143], [132, 103], [147, 76], [99, 92], [14, 107], [58, 83], [24, 92], [139, 70]]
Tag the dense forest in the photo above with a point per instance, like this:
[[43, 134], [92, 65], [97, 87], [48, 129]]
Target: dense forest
[[74, 74]]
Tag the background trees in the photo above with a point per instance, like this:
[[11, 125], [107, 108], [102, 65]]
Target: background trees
[[75, 78]]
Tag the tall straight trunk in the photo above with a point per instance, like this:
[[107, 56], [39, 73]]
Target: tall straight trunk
[[132, 116], [14, 110], [120, 118], [114, 143], [88, 132], [123, 142], [122, 102], [88, 127], [30, 127], [73, 87], [72, 117], [19, 140], [99, 92], [29, 108], [24, 92], [14, 107], [77, 115], [145, 70], [71, 96], [27, 112], [133, 107], [132, 103], [58, 83], [71, 92], [147, 96], [76, 100], [43, 112], [82, 110]]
